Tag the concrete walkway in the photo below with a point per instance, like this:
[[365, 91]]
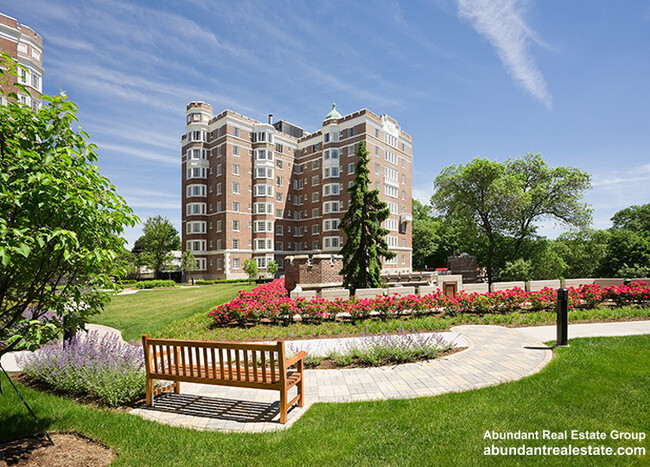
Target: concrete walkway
[[495, 355]]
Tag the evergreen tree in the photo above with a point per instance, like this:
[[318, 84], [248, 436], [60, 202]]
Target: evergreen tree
[[365, 244]]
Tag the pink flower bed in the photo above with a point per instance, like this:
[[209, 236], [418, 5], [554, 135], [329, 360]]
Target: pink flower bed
[[271, 302]]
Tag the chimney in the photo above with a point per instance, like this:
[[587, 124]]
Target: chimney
[[270, 119]]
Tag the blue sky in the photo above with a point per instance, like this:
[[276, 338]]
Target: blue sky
[[466, 78]]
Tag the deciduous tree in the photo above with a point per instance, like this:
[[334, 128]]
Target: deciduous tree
[[60, 225]]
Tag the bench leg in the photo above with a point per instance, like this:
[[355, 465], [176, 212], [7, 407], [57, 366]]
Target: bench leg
[[177, 387], [301, 384], [149, 392], [283, 405]]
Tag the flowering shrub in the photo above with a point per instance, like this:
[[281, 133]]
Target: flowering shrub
[[104, 367], [271, 302]]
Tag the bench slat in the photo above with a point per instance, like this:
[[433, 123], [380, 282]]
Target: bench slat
[[229, 364], [263, 353], [254, 365], [246, 365], [214, 362], [272, 358], [214, 344]]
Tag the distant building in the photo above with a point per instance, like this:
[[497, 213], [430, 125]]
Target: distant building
[[26, 47], [270, 190]]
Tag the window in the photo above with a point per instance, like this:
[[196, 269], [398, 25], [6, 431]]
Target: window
[[331, 189], [235, 150], [390, 173], [377, 168], [391, 240], [403, 179], [235, 131], [235, 206], [235, 244], [279, 229], [278, 163], [197, 135], [278, 196], [196, 245], [195, 209], [279, 148], [260, 136], [278, 213], [377, 151], [219, 169], [197, 154], [262, 226], [219, 206], [196, 227], [263, 208], [315, 165], [235, 188], [195, 190], [315, 212], [278, 181], [391, 191], [263, 190], [261, 263], [235, 226], [331, 243], [391, 224], [403, 163], [331, 206], [279, 246], [314, 197], [351, 150], [315, 229], [391, 157], [235, 169], [315, 180], [200, 264], [351, 168], [218, 246], [393, 208], [326, 138], [403, 194], [315, 245], [351, 132], [391, 140], [197, 172], [219, 224], [330, 224], [376, 132], [235, 263], [218, 188]]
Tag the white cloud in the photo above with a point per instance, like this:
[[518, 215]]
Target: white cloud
[[501, 22], [137, 152]]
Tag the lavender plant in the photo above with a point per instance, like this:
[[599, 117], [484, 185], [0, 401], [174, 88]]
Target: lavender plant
[[102, 366]]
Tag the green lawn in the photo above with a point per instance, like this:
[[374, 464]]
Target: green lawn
[[596, 384], [198, 326], [149, 311]]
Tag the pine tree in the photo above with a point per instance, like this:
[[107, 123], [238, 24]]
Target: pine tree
[[365, 244]]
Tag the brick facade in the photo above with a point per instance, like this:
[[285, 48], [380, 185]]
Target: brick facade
[[268, 191], [26, 47]]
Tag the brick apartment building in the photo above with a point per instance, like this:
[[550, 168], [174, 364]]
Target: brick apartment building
[[26, 47], [270, 190]]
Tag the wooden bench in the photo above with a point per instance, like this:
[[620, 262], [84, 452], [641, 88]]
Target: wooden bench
[[260, 366]]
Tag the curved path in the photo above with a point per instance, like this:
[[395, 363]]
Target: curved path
[[495, 355]]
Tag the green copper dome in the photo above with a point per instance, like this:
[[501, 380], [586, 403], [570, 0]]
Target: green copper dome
[[333, 114]]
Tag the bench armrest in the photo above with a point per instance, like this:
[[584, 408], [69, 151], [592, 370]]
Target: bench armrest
[[293, 360]]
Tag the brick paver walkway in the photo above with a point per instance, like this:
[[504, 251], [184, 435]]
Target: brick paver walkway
[[495, 355]]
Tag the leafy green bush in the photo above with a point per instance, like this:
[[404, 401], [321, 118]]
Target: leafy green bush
[[154, 284], [128, 281]]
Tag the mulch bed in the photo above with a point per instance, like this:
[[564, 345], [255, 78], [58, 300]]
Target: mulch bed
[[69, 449]]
